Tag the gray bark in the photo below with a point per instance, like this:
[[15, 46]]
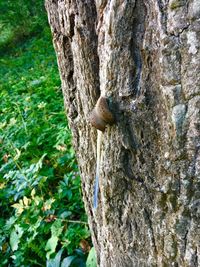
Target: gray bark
[[144, 56]]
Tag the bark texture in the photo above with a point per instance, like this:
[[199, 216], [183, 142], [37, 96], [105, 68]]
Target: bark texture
[[144, 56]]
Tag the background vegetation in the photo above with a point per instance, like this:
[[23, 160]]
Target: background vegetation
[[42, 215]]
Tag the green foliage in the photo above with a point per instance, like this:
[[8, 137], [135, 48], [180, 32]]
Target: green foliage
[[78, 259], [19, 19], [40, 198], [91, 260]]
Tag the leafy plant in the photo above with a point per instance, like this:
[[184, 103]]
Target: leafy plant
[[91, 260], [40, 197], [19, 19], [77, 260]]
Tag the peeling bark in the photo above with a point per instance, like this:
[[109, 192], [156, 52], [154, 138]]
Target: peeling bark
[[144, 56]]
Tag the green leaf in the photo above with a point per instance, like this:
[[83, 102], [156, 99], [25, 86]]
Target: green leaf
[[14, 240], [56, 261], [10, 222], [68, 261], [56, 228], [51, 245], [91, 260], [15, 236]]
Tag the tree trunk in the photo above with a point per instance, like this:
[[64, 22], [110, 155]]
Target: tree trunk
[[145, 57]]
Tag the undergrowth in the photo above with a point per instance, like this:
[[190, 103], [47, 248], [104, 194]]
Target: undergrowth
[[42, 214]]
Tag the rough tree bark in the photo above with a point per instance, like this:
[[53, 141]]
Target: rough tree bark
[[145, 56]]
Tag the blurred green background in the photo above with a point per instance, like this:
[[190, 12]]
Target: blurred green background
[[42, 222]]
